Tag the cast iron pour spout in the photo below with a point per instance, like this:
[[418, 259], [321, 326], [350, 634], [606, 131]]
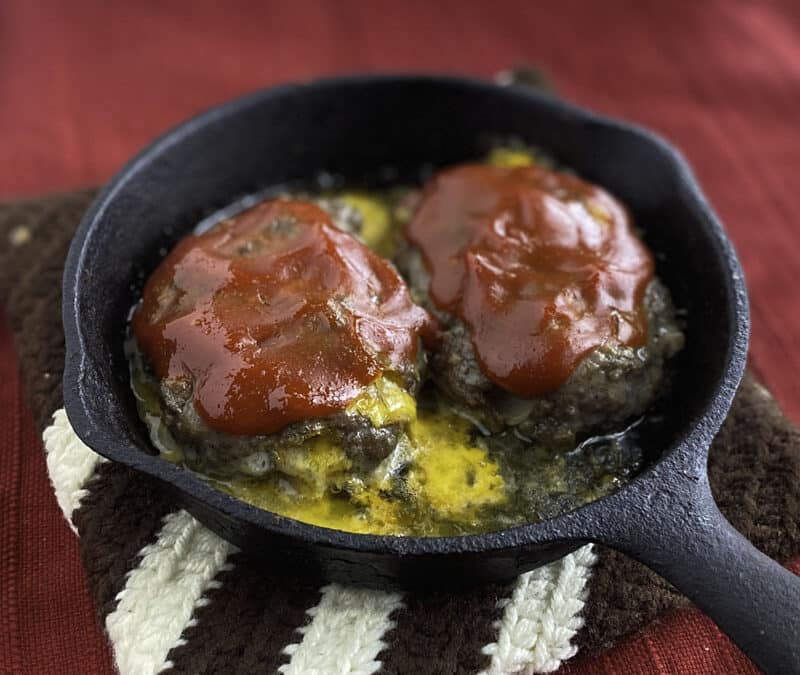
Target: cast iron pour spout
[[353, 126]]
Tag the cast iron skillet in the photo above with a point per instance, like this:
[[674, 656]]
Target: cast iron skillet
[[357, 126]]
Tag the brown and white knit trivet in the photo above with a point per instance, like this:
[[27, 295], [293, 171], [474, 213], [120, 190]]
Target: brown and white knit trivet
[[344, 628], [175, 597]]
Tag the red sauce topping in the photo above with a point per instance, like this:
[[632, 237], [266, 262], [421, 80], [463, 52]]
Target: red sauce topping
[[540, 265], [276, 316]]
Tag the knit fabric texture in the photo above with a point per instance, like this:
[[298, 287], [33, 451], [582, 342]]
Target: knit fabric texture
[[173, 596]]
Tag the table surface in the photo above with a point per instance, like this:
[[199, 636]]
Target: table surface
[[86, 84]]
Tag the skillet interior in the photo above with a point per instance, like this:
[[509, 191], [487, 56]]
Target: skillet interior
[[355, 127]]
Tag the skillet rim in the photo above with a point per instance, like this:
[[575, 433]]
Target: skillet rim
[[579, 524]]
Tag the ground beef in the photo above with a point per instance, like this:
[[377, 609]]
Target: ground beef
[[220, 454], [226, 455], [610, 386]]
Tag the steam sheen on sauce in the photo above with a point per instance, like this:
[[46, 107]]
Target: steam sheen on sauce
[[541, 266], [275, 316]]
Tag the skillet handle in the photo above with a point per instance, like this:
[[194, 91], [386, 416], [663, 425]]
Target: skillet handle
[[749, 596]]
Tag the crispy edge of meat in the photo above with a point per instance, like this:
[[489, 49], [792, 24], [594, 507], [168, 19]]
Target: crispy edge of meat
[[217, 453]]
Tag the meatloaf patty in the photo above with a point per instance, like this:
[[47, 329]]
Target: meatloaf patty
[[612, 384]]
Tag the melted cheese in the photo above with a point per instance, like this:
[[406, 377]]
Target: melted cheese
[[318, 465], [451, 475], [449, 478], [376, 231], [510, 157], [385, 402]]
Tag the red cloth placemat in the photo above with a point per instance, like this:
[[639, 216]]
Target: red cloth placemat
[[84, 85], [47, 622]]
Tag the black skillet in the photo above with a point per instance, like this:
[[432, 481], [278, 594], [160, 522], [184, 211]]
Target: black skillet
[[357, 126]]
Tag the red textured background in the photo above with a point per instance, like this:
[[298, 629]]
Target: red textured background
[[84, 84]]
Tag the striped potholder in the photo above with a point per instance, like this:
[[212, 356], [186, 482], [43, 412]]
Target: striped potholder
[[174, 596]]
